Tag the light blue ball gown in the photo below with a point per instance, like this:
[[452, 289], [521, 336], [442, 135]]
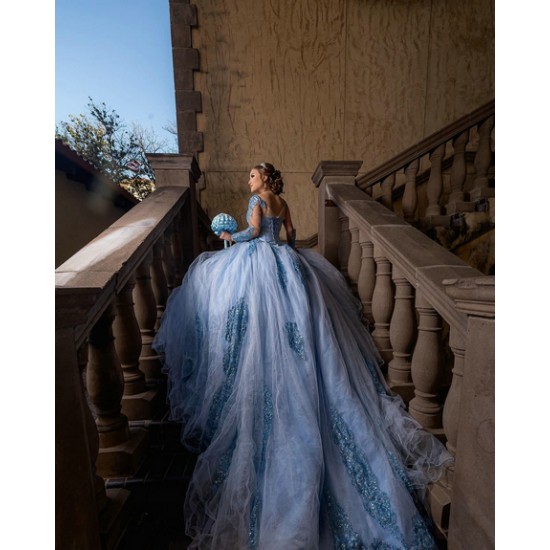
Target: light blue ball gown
[[278, 386]]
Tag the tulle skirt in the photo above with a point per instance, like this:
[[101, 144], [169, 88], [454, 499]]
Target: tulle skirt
[[278, 386]]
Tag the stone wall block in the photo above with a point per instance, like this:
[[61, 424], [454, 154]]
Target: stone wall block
[[190, 142], [183, 13], [184, 80], [185, 58], [189, 100], [187, 121], [181, 36]]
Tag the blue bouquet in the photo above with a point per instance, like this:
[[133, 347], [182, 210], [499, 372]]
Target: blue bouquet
[[224, 222]]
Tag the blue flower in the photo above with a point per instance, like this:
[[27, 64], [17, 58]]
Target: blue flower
[[223, 222]]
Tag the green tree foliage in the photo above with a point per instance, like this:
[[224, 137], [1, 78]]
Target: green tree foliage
[[104, 140]]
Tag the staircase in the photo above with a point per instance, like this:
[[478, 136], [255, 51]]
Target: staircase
[[445, 187], [121, 473]]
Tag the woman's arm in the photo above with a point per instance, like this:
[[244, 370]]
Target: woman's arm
[[251, 232]]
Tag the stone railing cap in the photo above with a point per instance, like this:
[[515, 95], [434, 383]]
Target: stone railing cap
[[473, 295], [335, 168], [175, 161]]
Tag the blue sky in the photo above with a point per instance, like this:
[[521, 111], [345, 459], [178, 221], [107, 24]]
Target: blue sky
[[118, 52]]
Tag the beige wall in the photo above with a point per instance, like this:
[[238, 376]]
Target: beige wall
[[297, 82], [79, 216]]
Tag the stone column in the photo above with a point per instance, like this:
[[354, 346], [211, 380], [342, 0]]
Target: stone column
[[426, 366], [344, 247], [367, 276], [354, 261], [329, 226], [92, 435], [112, 504], [410, 199], [168, 259], [456, 201], [382, 305], [105, 382], [387, 191], [402, 337], [472, 522], [128, 340], [138, 402], [121, 451], [177, 250], [435, 182], [482, 162], [441, 493], [158, 280], [434, 190], [451, 409], [146, 314]]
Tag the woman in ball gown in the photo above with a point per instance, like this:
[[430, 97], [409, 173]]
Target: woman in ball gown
[[278, 386]]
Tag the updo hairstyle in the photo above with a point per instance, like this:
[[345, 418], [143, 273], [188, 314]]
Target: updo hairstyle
[[274, 178]]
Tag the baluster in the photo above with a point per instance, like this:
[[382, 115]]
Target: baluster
[[426, 366], [354, 262], [482, 161], [458, 174], [435, 182], [451, 408], [367, 276], [168, 259], [402, 337], [382, 304], [177, 250], [187, 232], [344, 246], [92, 435], [203, 235], [441, 492], [105, 382], [410, 199], [387, 191], [146, 314], [128, 340], [158, 279]]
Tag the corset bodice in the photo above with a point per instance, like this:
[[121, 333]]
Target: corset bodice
[[270, 229]]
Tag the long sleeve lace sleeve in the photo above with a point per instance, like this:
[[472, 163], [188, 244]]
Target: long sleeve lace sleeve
[[244, 235], [254, 219]]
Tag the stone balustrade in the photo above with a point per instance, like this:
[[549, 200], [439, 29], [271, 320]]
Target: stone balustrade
[[441, 161], [109, 299], [404, 281]]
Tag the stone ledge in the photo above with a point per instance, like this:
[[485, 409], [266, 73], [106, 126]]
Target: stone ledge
[[473, 295], [335, 168], [124, 459], [142, 406]]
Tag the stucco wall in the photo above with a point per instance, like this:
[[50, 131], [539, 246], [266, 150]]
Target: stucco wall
[[79, 216], [294, 83]]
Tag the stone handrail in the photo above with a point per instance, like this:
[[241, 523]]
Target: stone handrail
[[412, 291], [109, 298]]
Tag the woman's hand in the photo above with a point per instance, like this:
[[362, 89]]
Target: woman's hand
[[225, 236]]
